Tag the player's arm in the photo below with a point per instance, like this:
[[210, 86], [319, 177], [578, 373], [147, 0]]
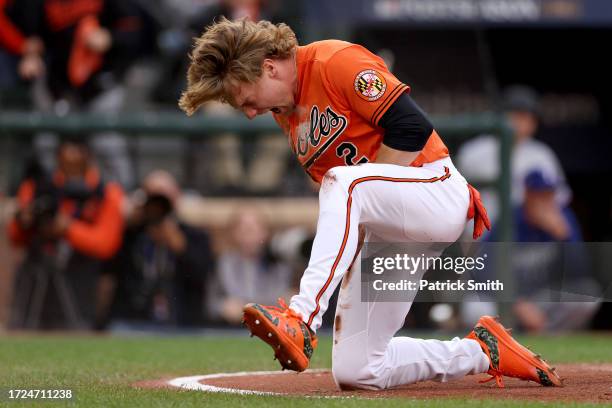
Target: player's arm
[[407, 130], [367, 88]]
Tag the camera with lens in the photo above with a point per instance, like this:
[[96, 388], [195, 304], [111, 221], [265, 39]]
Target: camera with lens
[[47, 201], [155, 209]]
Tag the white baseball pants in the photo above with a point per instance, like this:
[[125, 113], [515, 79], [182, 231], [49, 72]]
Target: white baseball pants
[[392, 204]]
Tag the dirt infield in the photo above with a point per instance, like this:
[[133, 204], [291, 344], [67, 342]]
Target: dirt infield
[[583, 383]]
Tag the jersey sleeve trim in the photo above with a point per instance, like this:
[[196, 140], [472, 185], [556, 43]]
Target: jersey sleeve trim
[[392, 97]]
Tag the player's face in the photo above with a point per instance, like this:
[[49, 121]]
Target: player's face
[[273, 91], [524, 124], [72, 160]]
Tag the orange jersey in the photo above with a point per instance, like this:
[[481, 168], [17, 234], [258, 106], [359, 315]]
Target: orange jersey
[[343, 91]]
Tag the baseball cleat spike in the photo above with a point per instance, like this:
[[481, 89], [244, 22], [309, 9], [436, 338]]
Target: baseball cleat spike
[[288, 361], [269, 334], [257, 321]]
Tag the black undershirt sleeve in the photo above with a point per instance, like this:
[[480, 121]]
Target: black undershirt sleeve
[[406, 126]]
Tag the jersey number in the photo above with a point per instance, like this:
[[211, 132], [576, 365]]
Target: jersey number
[[349, 152]]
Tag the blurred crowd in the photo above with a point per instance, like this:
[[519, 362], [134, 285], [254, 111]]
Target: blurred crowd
[[117, 56], [104, 245], [83, 49], [96, 256]]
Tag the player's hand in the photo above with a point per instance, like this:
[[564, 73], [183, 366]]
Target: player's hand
[[169, 234], [31, 66], [55, 228], [33, 45], [231, 310], [25, 217], [61, 224], [543, 212], [99, 40], [531, 317]]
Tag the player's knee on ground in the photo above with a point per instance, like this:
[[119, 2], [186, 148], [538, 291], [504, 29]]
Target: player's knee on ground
[[351, 371]]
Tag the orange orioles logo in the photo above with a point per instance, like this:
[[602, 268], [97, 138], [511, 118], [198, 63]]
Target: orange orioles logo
[[370, 85]]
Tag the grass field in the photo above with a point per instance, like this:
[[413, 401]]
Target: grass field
[[100, 370]]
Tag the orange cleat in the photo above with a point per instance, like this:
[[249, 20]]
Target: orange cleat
[[507, 357], [285, 331]]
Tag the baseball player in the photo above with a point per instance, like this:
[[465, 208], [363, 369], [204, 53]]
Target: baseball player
[[386, 176]]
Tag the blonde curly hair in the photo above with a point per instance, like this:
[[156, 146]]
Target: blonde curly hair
[[231, 52]]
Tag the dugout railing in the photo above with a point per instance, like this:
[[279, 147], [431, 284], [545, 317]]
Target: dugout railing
[[453, 129]]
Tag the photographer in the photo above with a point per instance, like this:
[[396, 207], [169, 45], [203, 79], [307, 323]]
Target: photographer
[[159, 274], [69, 221]]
